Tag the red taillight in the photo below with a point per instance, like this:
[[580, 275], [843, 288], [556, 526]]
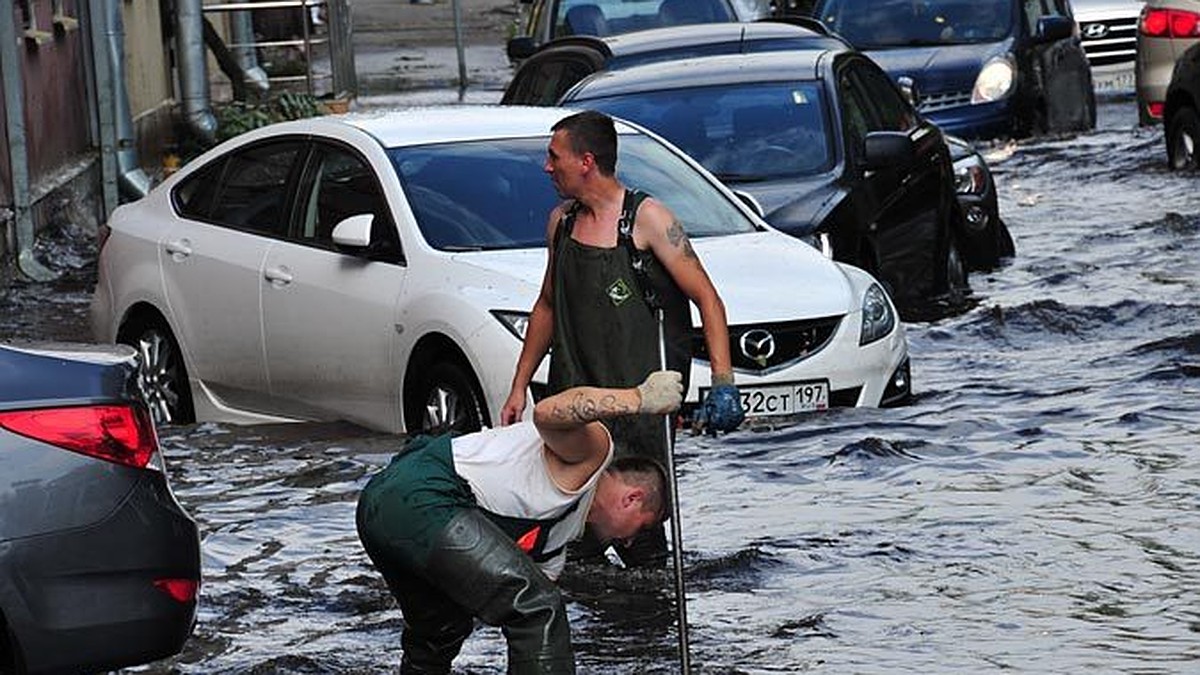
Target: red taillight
[[117, 433], [1169, 23], [180, 590], [1155, 109]]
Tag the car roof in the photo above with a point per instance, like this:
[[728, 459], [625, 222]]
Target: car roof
[[675, 37], [441, 124], [788, 65]]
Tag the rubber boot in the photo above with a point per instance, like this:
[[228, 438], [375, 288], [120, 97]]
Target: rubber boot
[[482, 570]]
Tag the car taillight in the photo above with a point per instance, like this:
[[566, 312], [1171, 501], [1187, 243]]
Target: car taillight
[[1155, 109], [116, 433], [1169, 23], [180, 590]]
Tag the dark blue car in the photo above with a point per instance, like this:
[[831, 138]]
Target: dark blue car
[[977, 68]]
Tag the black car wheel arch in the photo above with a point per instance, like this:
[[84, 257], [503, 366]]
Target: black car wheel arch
[[10, 655], [162, 375], [441, 393], [1183, 135]]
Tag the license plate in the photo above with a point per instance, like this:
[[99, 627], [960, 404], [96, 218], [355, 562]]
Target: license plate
[[783, 399], [1113, 81]]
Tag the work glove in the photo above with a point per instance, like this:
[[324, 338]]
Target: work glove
[[662, 392], [722, 408]]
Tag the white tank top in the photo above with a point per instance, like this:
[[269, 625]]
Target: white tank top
[[506, 468]]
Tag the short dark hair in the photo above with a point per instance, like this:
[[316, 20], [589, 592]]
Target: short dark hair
[[592, 131], [649, 475]]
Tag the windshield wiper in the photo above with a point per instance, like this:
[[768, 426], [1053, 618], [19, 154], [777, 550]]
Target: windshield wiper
[[742, 177]]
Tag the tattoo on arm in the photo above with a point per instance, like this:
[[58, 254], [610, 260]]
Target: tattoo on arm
[[679, 239], [585, 407]]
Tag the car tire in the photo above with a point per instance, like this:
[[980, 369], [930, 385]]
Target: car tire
[[1005, 246], [957, 286], [162, 375], [444, 399], [1183, 135]]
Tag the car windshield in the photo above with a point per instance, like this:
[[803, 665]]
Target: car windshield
[[613, 17], [493, 194], [872, 24], [745, 132]]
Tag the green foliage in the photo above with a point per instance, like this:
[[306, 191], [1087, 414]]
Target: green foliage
[[239, 117]]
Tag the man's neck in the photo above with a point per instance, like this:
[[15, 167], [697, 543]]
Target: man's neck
[[602, 195]]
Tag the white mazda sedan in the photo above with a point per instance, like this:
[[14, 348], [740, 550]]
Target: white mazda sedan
[[379, 268]]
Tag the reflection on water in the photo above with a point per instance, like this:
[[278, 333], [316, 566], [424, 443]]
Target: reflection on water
[[1035, 509]]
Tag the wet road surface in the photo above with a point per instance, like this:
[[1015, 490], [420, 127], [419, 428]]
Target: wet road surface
[[1036, 509]]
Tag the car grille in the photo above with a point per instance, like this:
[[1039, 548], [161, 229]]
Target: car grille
[[1110, 41], [941, 101], [751, 346]]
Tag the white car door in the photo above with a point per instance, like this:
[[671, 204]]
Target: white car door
[[212, 258], [329, 317]]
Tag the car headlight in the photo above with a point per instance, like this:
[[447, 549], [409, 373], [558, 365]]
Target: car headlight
[[516, 322], [878, 320], [995, 81]]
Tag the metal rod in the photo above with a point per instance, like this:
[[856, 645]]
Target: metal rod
[[676, 528], [458, 47]]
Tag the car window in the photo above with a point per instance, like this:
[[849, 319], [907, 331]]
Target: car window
[[873, 24], [251, 192], [855, 112], [340, 184], [890, 111], [196, 194], [744, 132], [543, 82], [613, 17], [494, 194]]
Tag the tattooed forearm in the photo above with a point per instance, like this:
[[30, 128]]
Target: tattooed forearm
[[679, 239], [586, 406]]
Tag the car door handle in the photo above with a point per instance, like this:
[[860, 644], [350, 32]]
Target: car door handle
[[179, 249], [278, 276]]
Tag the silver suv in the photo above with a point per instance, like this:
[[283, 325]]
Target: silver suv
[[1165, 31], [1108, 29]]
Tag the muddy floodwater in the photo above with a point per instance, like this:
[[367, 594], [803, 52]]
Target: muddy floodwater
[[1036, 509]]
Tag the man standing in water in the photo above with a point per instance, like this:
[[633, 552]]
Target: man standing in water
[[458, 527], [616, 256]]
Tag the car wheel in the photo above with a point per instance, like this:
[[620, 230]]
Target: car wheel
[[162, 376], [956, 276], [445, 399], [1183, 134], [1005, 246]]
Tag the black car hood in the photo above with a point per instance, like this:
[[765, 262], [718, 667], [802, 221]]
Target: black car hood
[[797, 205], [940, 69]]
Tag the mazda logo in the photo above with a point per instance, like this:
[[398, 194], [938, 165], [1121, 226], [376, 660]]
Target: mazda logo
[[1094, 31], [758, 345]]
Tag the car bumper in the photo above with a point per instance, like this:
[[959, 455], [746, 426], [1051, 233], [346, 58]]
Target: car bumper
[[85, 599], [982, 120]]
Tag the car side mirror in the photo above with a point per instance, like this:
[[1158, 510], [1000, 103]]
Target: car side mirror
[[888, 150], [354, 232], [520, 48], [749, 200], [908, 89], [1055, 28]]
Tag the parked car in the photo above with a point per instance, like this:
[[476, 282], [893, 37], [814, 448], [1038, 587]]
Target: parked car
[[380, 268], [561, 63], [540, 21], [979, 68], [1166, 29], [1182, 112], [556, 66], [99, 564], [985, 241], [1108, 30], [826, 146]]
